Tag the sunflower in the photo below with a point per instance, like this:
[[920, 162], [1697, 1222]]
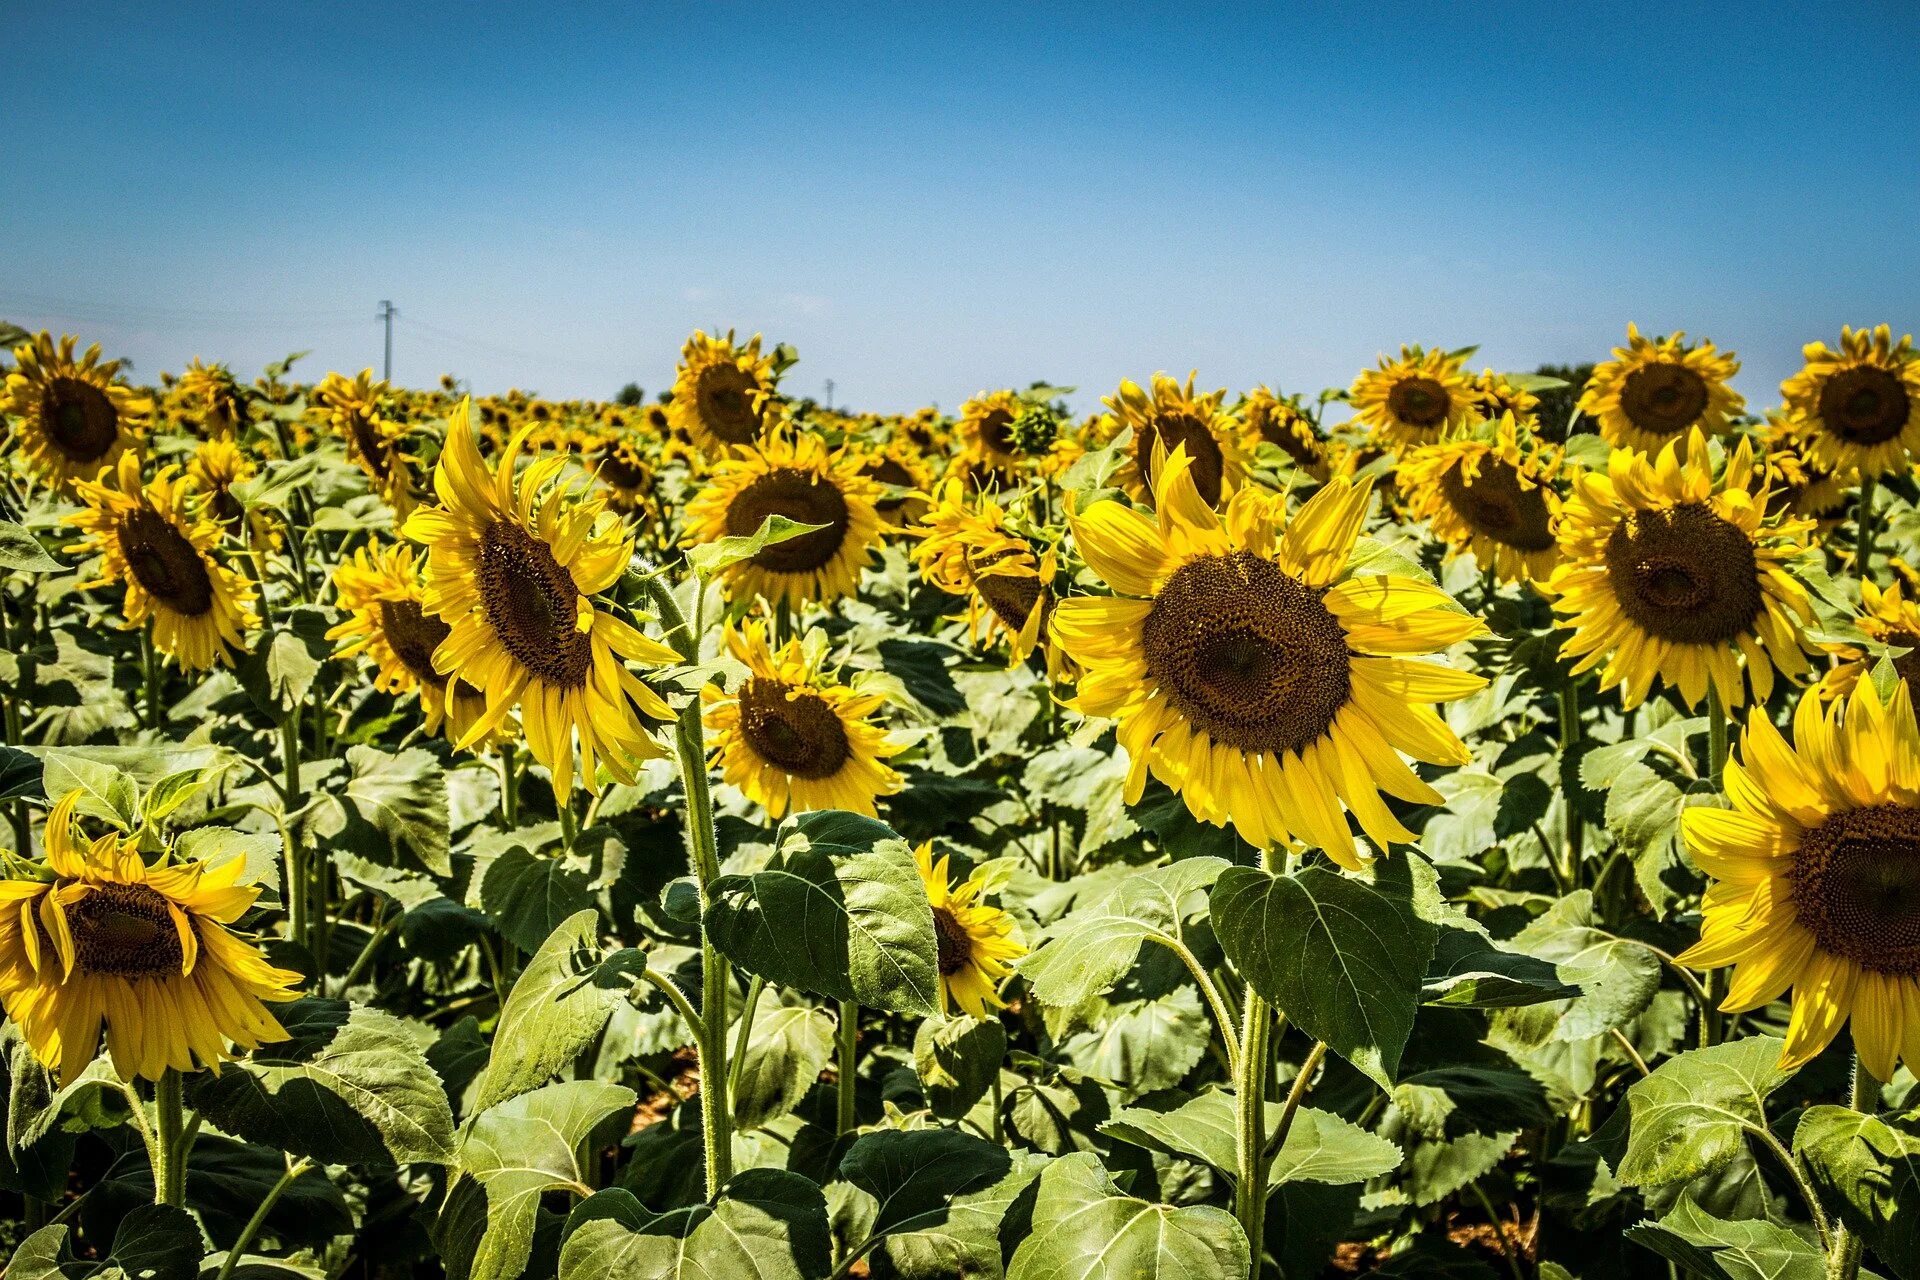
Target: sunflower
[[513, 567], [154, 540], [898, 464], [966, 550], [1491, 496], [216, 466], [977, 943], [1801, 485], [1816, 872], [1281, 422], [1003, 434], [794, 739], [96, 938], [1252, 672], [1171, 417], [624, 470], [1889, 620], [380, 590], [76, 417], [1655, 391], [357, 410], [1495, 396], [722, 393], [791, 474], [1421, 398], [1858, 408], [1667, 575], [224, 410]]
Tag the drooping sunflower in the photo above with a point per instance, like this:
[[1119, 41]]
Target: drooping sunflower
[[1816, 872], [1495, 396], [216, 466], [1253, 672], [513, 569], [1656, 390], [898, 464], [1801, 485], [356, 409], [1421, 398], [1171, 416], [76, 417], [722, 392], [151, 538], [967, 550], [1491, 493], [224, 409], [793, 738], [380, 591], [1281, 422], [98, 940], [1669, 575], [1858, 408], [791, 474], [978, 943]]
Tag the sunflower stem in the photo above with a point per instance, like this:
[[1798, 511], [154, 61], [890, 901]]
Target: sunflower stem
[[509, 766], [169, 1151], [1716, 736], [1569, 775], [294, 1169], [1843, 1260], [1250, 1095], [296, 853], [847, 1035], [748, 1007], [150, 676], [1863, 532]]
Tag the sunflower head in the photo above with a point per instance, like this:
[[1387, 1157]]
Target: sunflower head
[[1281, 421], [1671, 573], [1167, 417], [1420, 398], [967, 549], [360, 413], [899, 465], [792, 737], [977, 943], [792, 474], [76, 417], [1252, 671], [1491, 493], [1800, 485], [96, 940], [1656, 392], [216, 466], [619, 464], [1495, 396], [1816, 875], [221, 405], [1858, 408], [723, 393]]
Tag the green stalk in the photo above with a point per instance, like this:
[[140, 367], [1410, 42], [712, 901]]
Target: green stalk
[[1569, 743], [150, 676], [848, 1033], [743, 1034], [703, 849], [1717, 745], [294, 1169], [1863, 532], [298, 874], [1250, 1097], [1843, 1261], [169, 1151], [509, 786]]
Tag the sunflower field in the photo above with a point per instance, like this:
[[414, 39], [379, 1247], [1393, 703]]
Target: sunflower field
[[1462, 824]]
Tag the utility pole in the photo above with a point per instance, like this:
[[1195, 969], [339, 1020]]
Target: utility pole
[[387, 313], [829, 393]]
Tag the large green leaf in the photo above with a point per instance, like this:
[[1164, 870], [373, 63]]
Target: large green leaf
[[1144, 1045], [527, 895], [516, 1152], [1088, 1229], [839, 911], [1691, 1116], [786, 1051], [1342, 957], [1470, 971], [1720, 1250], [1320, 1146], [1617, 978], [958, 1060], [767, 1224], [404, 797], [710, 558], [966, 1244], [1095, 945], [554, 1011], [21, 552], [1869, 1168], [152, 1242], [913, 1174]]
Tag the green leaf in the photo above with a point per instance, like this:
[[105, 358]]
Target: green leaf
[[21, 775], [404, 796], [839, 911], [553, 1012], [1617, 978], [21, 552], [1470, 971], [1691, 1115], [106, 792], [958, 1060], [1320, 1146], [276, 482], [913, 1174], [527, 895], [1342, 957], [516, 1152], [1202, 1128], [767, 1224], [1869, 1168], [1144, 1045], [1751, 1249], [786, 1051], [152, 1242], [259, 851], [1093, 947], [351, 1086], [1092, 1231], [711, 557], [966, 1246]]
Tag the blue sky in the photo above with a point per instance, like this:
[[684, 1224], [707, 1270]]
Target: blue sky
[[933, 204]]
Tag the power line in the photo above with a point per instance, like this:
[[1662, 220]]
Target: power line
[[125, 312]]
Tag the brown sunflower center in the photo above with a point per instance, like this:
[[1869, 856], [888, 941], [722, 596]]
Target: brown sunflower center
[[1247, 653], [795, 730], [124, 931], [1684, 574], [621, 469], [1292, 436], [996, 432], [1856, 887], [79, 418], [531, 603], [1865, 405], [728, 397], [800, 496], [370, 444], [1665, 397], [956, 946], [888, 471], [1011, 598], [1495, 503], [1176, 429], [414, 636], [1419, 402], [165, 563]]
